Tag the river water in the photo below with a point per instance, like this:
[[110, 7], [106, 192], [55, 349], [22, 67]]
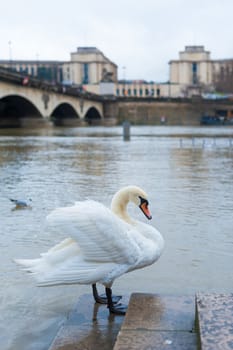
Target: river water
[[188, 174]]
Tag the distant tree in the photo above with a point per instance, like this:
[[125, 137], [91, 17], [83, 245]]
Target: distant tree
[[223, 80]]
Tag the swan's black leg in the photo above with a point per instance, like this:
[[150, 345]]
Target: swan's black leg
[[96, 296], [117, 309], [102, 299]]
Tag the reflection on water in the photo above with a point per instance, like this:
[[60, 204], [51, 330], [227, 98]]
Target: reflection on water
[[188, 175]]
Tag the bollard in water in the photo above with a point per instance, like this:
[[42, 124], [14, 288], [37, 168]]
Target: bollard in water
[[126, 130]]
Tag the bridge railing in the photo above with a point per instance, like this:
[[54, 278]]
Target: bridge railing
[[30, 81]]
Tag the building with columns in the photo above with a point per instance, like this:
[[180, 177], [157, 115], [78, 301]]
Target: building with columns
[[193, 73]]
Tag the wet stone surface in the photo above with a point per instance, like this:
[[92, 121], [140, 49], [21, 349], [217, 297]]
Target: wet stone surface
[[160, 312], [158, 322], [152, 322], [89, 326], [215, 321], [155, 340]]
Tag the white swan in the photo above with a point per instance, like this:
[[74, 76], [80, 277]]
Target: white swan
[[103, 244]]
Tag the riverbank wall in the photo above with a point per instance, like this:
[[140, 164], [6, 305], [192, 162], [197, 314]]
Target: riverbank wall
[[151, 111]]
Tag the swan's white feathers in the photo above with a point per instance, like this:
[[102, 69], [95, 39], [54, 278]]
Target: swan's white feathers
[[73, 271], [109, 237], [68, 248]]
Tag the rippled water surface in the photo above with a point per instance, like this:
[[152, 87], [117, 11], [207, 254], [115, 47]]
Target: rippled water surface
[[188, 174]]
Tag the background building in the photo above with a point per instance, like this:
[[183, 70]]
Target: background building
[[88, 66], [194, 73], [50, 71]]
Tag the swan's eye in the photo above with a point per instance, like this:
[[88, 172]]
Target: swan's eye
[[143, 201]]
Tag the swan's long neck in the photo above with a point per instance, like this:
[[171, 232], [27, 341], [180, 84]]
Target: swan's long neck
[[119, 205]]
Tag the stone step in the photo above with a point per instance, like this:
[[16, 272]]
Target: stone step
[[158, 322], [215, 321], [88, 326], [152, 322]]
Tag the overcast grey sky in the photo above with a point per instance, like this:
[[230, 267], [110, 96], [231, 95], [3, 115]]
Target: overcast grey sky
[[142, 36]]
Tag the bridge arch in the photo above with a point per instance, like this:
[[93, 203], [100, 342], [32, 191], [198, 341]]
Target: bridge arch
[[92, 116], [65, 114], [16, 111], [44, 102]]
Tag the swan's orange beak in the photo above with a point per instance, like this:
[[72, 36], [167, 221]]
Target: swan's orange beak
[[144, 208]]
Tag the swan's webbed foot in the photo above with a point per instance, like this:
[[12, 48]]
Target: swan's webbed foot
[[117, 309], [102, 299]]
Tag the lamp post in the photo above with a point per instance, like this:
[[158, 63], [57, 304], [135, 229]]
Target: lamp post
[[124, 68], [124, 82], [37, 64], [10, 52]]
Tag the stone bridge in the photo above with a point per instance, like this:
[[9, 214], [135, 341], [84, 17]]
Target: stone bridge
[[30, 102], [27, 102]]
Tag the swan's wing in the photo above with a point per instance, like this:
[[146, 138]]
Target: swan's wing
[[101, 235]]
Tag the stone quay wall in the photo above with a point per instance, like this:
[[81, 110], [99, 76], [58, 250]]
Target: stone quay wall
[[161, 111]]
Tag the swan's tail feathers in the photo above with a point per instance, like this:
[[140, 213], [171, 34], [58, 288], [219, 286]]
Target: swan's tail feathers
[[55, 256], [27, 263], [64, 264]]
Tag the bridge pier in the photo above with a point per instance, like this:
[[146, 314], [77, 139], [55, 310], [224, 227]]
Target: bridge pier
[[70, 122], [24, 122], [9, 123], [27, 122]]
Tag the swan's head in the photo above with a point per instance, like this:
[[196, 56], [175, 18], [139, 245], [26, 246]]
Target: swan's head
[[139, 198], [132, 194]]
